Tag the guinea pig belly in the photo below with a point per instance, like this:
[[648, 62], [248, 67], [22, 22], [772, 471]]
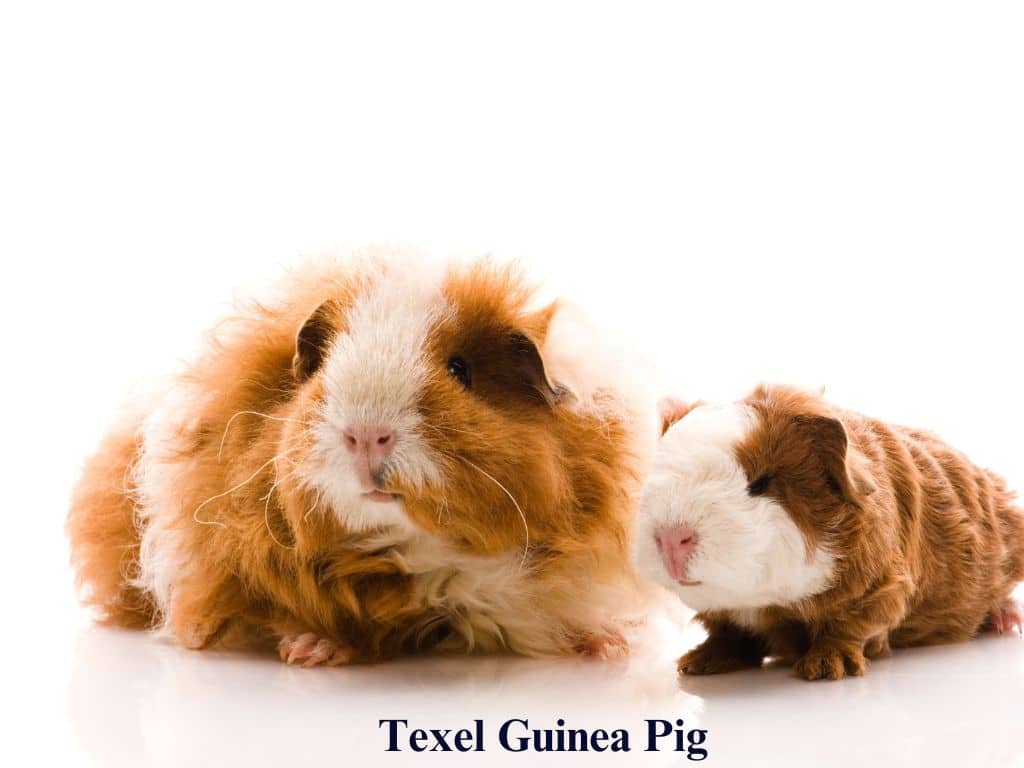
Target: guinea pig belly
[[499, 604], [481, 596]]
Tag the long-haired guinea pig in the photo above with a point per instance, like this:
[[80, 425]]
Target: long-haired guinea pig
[[801, 531], [390, 458]]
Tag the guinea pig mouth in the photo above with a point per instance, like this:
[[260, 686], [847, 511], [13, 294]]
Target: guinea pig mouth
[[379, 495], [376, 491]]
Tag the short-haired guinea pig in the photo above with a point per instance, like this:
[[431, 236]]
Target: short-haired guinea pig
[[390, 456], [817, 535]]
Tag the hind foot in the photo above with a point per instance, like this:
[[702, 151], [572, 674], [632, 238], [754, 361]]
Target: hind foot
[[310, 650], [1005, 617], [828, 662]]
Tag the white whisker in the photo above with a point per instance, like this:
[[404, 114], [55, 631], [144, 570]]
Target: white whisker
[[443, 509], [316, 503], [266, 511], [229, 491], [227, 426], [526, 548]]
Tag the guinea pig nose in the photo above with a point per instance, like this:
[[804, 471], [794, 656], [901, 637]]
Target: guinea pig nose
[[676, 545], [374, 442]]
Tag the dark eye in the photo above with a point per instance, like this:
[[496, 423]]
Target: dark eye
[[458, 368], [759, 486]]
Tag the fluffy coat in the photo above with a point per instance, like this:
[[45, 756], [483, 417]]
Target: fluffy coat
[[228, 512]]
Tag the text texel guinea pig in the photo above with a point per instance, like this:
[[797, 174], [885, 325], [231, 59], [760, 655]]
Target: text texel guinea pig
[[800, 531], [387, 458]]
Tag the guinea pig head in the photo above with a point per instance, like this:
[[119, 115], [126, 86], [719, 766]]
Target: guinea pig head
[[746, 503], [424, 402]]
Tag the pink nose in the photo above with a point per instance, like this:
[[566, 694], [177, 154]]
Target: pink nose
[[676, 545], [370, 447]]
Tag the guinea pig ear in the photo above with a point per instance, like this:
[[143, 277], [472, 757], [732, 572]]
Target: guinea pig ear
[[312, 341], [845, 470], [530, 365], [672, 409]]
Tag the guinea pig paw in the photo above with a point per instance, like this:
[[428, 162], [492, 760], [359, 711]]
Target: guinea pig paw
[[310, 650], [713, 657], [877, 647], [198, 634], [607, 646], [1006, 617], [830, 664]]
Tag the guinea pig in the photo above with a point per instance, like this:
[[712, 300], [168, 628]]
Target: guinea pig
[[390, 457], [804, 532]]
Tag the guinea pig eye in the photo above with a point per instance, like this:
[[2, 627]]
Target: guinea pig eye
[[458, 369], [759, 486]]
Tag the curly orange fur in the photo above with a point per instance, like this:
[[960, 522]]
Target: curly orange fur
[[549, 487]]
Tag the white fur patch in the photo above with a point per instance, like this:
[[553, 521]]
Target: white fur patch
[[749, 552], [493, 603], [593, 363], [372, 376], [158, 478]]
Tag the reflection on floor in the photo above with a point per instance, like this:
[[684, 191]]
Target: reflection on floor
[[134, 700]]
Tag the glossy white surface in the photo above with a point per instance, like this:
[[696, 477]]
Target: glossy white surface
[[96, 696]]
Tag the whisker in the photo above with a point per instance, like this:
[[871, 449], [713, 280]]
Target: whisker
[[266, 511], [229, 491], [526, 548], [431, 426], [445, 428], [442, 429], [316, 503], [227, 426], [443, 510]]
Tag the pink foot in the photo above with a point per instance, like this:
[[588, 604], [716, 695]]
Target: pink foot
[[607, 646], [310, 650], [1007, 616]]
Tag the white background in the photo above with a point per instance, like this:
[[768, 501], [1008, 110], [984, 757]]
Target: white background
[[828, 194]]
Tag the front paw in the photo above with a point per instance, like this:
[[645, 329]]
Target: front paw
[[310, 650], [713, 657], [877, 647], [1005, 617], [830, 664], [606, 646]]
